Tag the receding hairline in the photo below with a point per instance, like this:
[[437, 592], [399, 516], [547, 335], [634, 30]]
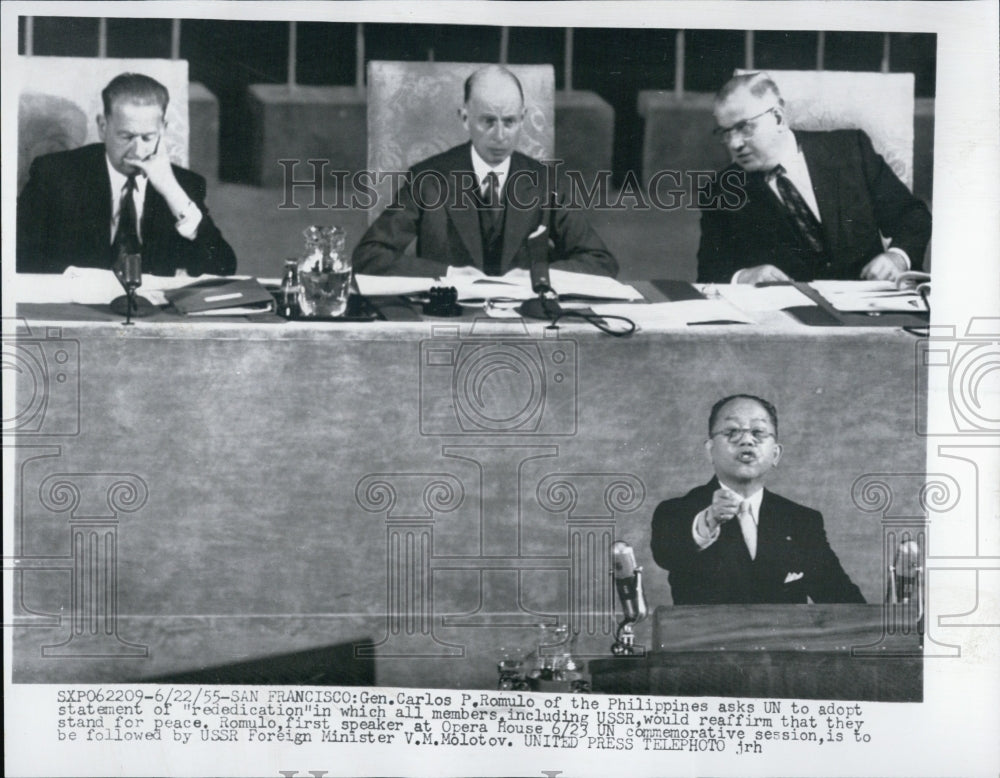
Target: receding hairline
[[494, 70], [757, 84]]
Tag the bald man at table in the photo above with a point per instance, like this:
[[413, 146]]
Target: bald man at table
[[481, 205]]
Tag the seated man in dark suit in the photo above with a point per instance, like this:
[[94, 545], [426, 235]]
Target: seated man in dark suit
[[481, 205], [813, 203], [77, 205], [774, 552]]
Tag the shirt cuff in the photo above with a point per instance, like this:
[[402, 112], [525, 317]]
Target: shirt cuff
[[188, 222], [699, 530], [736, 276], [903, 254]]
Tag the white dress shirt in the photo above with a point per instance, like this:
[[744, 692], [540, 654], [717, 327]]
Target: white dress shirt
[[797, 171], [793, 161], [699, 527], [482, 168]]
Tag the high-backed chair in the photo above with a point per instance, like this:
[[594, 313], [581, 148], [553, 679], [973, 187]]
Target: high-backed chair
[[881, 104], [60, 98], [413, 114]]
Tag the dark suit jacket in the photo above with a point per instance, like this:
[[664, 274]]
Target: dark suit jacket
[[450, 235], [857, 193], [790, 539], [64, 218]]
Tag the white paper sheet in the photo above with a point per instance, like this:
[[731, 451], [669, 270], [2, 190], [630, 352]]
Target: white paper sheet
[[869, 296], [750, 298], [676, 314], [393, 285], [95, 286]]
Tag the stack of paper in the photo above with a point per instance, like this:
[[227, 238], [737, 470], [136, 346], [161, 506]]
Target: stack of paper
[[869, 296]]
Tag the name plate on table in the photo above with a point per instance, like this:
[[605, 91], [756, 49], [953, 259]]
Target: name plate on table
[[892, 628]]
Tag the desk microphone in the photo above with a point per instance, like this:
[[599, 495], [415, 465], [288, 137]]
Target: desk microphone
[[628, 581], [546, 305], [127, 267], [906, 569]]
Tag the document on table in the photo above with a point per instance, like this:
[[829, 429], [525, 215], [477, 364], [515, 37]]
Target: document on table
[[516, 285], [751, 298], [677, 314], [869, 296], [388, 286], [96, 286]]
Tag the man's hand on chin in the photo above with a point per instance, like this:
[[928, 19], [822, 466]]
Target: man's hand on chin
[[887, 266], [158, 170], [760, 274]]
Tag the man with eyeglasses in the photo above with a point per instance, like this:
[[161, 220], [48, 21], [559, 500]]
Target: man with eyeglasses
[[814, 203], [733, 541]]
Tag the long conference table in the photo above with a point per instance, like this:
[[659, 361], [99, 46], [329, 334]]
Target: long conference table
[[394, 503]]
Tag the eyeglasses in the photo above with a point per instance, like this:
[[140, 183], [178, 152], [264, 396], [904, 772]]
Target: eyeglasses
[[735, 434], [744, 129]]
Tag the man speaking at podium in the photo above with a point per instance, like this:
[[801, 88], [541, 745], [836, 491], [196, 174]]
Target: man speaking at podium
[[78, 205], [481, 205], [731, 540]]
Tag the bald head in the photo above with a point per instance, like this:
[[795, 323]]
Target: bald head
[[493, 112]]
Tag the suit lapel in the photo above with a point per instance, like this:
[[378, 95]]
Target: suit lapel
[[773, 534], [97, 209], [824, 173], [517, 221], [464, 215], [771, 216]]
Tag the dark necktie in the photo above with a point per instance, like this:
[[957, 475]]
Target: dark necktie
[[127, 237], [805, 221], [491, 223], [491, 199]]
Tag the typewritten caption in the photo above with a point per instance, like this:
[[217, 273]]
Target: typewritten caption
[[190, 714]]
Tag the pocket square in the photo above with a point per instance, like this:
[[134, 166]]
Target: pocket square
[[792, 577]]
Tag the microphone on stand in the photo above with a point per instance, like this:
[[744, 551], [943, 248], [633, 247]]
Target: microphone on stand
[[546, 305], [127, 267], [907, 571], [628, 584], [906, 583]]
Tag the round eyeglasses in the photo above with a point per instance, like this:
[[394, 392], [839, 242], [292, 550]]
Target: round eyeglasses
[[744, 129], [735, 434]]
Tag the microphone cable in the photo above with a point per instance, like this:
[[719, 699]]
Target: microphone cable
[[596, 320]]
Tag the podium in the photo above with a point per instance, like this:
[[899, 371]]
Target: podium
[[829, 652]]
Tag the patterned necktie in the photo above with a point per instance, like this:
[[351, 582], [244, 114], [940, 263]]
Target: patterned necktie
[[805, 221], [127, 238], [491, 201], [748, 528]]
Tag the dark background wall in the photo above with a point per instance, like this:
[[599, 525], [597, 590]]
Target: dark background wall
[[227, 56]]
